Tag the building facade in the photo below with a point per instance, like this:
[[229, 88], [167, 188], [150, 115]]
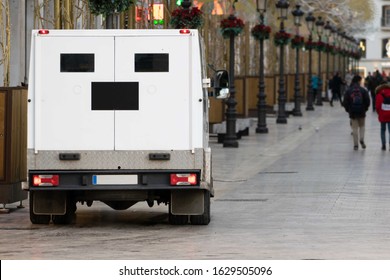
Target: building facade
[[375, 43]]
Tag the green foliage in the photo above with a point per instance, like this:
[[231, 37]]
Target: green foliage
[[107, 7]]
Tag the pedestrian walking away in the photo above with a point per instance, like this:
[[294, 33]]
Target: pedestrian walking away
[[356, 103], [336, 84], [314, 86], [371, 84], [382, 105]]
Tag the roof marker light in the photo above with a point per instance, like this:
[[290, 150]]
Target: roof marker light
[[185, 31], [43, 31]]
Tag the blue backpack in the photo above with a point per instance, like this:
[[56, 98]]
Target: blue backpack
[[356, 105]]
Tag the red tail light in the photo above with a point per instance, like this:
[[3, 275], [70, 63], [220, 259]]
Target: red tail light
[[184, 179], [43, 32], [46, 180]]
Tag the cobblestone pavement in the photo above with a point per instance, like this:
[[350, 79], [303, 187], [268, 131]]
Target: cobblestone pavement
[[298, 192]]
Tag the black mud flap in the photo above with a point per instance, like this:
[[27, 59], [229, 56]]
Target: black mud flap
[[187, 202], [49, 203]]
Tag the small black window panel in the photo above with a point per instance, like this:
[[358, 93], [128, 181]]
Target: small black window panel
[[77, 62], [115, 96], [151, 62]]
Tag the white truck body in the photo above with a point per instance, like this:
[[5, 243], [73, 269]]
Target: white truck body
[[112, 115]]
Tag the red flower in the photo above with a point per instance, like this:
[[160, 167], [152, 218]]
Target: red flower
[[232, 23]]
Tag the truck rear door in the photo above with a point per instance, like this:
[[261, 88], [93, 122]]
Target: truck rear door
[[65, 117], [159, 68]]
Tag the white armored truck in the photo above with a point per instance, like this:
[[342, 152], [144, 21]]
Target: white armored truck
[[119, 116]]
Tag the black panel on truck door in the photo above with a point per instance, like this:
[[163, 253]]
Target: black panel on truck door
[[115, 96]]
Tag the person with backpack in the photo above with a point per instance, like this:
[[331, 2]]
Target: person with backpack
[[382, 105], [356, 103]]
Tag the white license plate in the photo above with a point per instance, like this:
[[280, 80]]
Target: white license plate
[[114, 179]]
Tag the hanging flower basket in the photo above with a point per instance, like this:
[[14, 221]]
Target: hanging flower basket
[[335, 50], [191, 18], [343, 53], [297, 42], [329, 48], [282, 38], [357, 55], [261, 32], [310, 45], [231, 25], [320, 46], [104, 7]]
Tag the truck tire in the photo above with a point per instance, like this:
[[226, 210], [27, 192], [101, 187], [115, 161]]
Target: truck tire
[[203, 219], [178, 219], [37, 219]]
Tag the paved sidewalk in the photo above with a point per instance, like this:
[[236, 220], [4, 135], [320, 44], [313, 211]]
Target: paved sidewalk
[[304, 192]]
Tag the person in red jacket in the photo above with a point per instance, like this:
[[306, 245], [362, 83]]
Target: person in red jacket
[[382, 106]]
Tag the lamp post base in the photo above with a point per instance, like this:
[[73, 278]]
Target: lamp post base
[[281, 120], [310, 108], [296, 113], [230, 144], [261, 130]]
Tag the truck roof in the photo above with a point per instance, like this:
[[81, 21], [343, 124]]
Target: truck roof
[[116, 32]]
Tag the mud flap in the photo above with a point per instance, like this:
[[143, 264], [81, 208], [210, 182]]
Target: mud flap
[[187, 202], [49, 203]]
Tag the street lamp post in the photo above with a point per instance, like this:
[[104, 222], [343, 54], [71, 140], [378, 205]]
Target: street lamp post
[[342, 57], [297, 13], [328, 31], [230, 139], [310, 25], [334, 35], [261, 104], [282, 6], [320, 29]]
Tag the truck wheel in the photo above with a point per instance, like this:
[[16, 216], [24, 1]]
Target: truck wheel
[[178, 219], [203, 219], [37, 219]]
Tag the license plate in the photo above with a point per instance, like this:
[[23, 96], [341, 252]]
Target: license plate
[[114, 179]]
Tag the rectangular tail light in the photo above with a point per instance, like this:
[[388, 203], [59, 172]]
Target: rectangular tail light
[[46, 180], [189, 179]]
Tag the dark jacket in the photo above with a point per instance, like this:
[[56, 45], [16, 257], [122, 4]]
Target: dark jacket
[[348, 102], [336, 83], [383, 110]]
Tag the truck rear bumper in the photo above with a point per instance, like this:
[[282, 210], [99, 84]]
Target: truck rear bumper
[[111, 180]]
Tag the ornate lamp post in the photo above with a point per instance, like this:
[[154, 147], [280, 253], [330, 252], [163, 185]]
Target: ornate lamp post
[[297, 13], [230, 139], [186, 4], [282, 6], [310, 26], [320, 28], [342, 55], [261, 6], [334, 35], [328, 32]]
